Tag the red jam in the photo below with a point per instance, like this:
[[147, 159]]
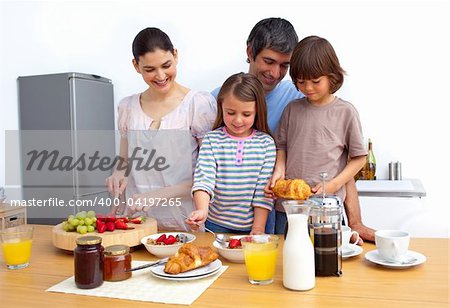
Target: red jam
[[88, 257], [116, 261]]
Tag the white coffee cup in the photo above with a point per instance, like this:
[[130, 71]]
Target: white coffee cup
[[392, 245], [347, 234]]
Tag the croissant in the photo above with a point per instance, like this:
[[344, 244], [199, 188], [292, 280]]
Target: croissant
[[190, 257], [292, 189]]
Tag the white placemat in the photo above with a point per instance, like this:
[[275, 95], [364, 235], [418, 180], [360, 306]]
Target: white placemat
[[143, 286]]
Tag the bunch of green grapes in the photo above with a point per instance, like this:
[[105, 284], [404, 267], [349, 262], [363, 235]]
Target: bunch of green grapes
[[83, 222]]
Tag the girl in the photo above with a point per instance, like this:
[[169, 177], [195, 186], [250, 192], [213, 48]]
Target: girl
[[320, 132], [235, 162], [167, 121]]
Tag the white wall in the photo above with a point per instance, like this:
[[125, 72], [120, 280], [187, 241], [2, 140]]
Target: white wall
[[393, 51]]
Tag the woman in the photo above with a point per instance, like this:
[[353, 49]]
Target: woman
[[163, 125]]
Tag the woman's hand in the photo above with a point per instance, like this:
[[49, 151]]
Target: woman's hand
[[117, 183], [196, 219], [138, 204]]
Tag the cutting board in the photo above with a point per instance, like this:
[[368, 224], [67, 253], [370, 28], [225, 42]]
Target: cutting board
[[67, 240]]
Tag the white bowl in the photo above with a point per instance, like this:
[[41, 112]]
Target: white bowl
[[235, 255], [165, 250]]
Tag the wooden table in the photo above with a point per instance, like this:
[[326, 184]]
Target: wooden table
[[362, 284]]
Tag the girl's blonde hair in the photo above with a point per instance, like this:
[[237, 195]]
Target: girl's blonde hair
[[246, 88]]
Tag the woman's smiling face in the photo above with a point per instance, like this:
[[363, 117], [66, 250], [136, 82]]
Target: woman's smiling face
[[158, 69]]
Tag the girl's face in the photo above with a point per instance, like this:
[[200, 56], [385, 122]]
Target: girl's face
[[158, 69], [316, 90], [238, 116]]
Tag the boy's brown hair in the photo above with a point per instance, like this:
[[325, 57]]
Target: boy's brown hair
[[314, 57]]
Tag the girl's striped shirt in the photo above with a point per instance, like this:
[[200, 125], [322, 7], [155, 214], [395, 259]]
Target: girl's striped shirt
[[234, 172]]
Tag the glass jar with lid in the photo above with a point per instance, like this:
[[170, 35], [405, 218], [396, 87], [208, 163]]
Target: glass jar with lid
[[117, 260], [88, 261]]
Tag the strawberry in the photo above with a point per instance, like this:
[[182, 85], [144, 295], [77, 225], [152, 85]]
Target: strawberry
[[110, 226], [123, 218], [248, 238], [138, 220], [170, 240], [120, 224], [110, 217], [101, 229], [161, 239], [234, 243], [101, 226], [101, 217]]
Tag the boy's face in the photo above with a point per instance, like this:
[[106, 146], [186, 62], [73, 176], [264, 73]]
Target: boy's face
[[269, 67], [316, 90]]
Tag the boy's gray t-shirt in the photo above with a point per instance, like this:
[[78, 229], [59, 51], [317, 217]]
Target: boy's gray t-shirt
[[319, 139]]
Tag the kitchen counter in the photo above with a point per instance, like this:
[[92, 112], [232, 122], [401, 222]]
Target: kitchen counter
[[387, 188], [362, 284]]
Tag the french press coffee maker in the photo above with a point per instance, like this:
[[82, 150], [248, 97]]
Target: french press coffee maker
[[325, 221]]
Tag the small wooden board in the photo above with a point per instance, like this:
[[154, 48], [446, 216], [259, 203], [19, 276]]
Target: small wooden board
[[67, 240]]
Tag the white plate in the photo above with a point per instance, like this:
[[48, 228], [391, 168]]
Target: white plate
[[351, 250], [374, 257], [198, 273], [187, 278]]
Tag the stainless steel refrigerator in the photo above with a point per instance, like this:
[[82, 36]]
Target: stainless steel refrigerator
[[74, 113]]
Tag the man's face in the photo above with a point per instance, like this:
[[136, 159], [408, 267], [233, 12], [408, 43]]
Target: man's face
[[269, 67]]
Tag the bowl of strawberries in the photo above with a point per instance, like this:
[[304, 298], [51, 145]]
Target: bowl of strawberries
[[232, 251], [166, 244]]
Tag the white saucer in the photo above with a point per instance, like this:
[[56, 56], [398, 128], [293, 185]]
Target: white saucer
[[351, 250], [202, 272], [374, 257]]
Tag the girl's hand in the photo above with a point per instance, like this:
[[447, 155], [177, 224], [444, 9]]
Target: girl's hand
[[116, 184], [330, 188], [196, 219], [256, 231], [268, 190]]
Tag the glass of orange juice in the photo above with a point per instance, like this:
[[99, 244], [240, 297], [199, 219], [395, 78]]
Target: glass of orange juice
[[16, 246], [260, 253]]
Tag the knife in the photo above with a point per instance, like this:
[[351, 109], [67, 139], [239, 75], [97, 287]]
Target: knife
[[159, 262]]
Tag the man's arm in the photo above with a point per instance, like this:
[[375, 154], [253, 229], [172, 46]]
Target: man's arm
[[353, 211]]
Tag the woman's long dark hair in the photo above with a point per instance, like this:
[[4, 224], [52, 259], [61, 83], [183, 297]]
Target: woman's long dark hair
[[149, 39]]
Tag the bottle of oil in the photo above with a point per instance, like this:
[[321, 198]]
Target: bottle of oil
[[359, 176], [369, 169]]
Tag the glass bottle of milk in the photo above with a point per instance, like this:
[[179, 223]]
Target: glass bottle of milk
[[298, 250]]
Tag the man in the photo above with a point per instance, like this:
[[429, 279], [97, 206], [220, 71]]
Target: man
[[269, 49]]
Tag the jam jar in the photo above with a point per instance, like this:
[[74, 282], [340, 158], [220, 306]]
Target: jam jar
[[117, 260], [88, 257]]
